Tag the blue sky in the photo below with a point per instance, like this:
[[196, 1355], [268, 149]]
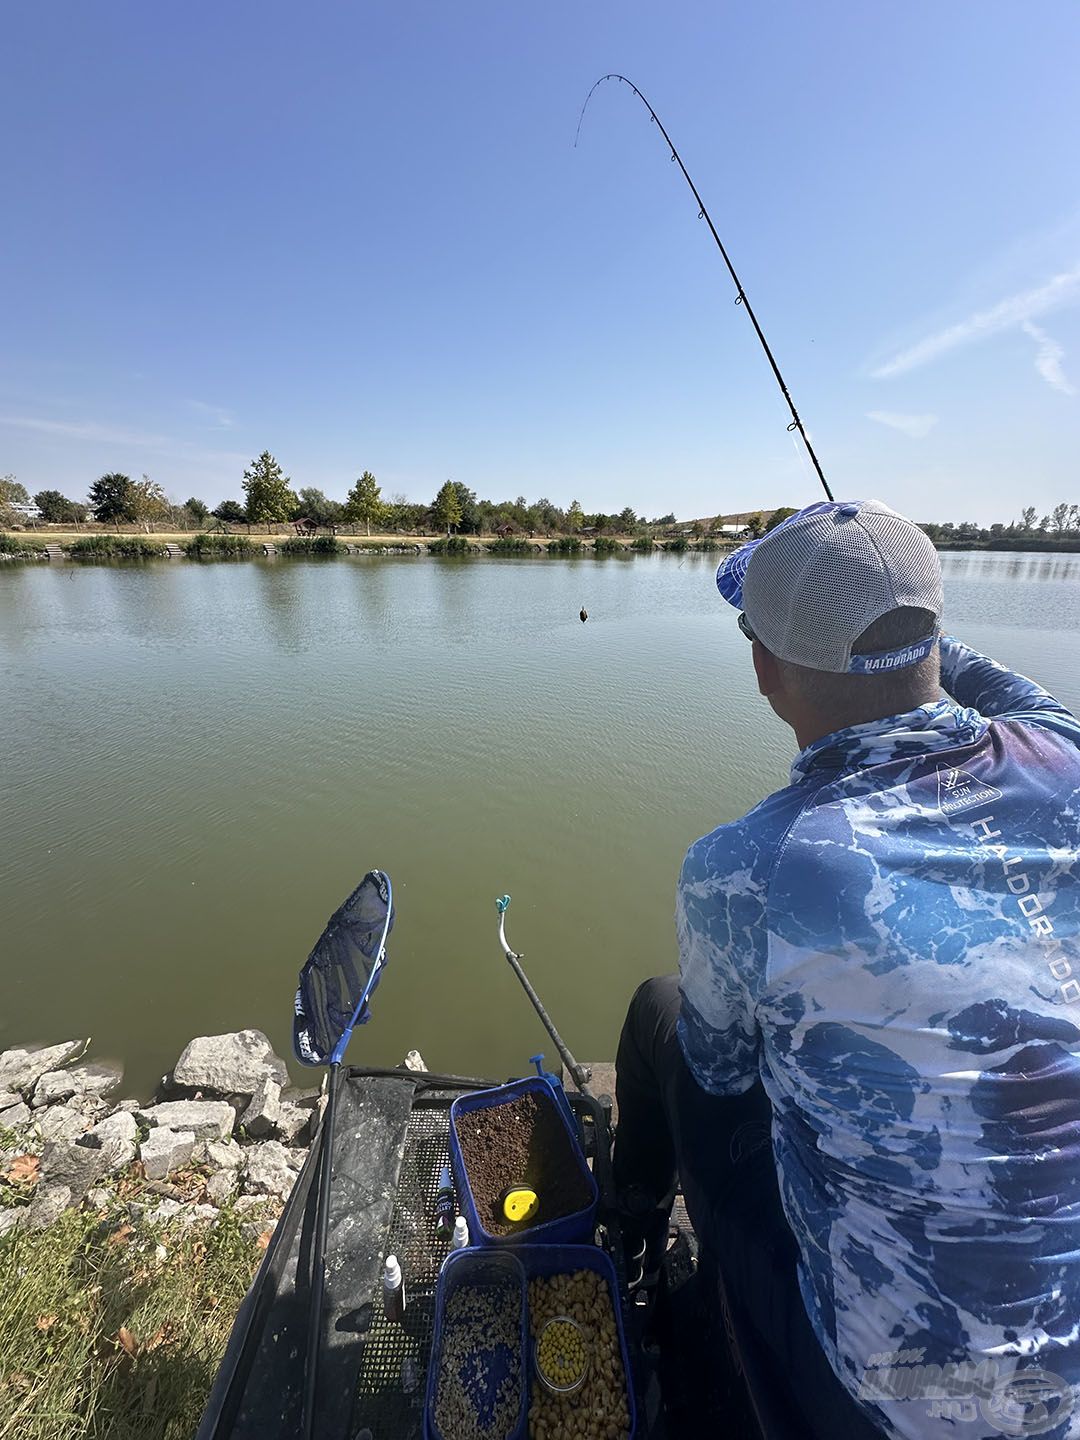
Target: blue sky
[[360, 236]]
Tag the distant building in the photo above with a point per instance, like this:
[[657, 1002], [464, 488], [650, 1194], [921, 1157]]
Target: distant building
[[732, 532], [26, 513]]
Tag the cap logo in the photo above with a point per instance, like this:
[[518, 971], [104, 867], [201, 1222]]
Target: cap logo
[[882, 661]]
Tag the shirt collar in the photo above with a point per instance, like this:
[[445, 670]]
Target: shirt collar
[[938, 726]]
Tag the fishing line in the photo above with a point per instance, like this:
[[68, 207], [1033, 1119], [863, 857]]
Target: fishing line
[[796, 424]]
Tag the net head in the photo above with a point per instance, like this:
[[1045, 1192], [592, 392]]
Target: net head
[[342, 971], [810, 587]]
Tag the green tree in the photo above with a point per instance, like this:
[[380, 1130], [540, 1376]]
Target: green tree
[[627, 521], [1027, 519], [112, 497], [197, 509], [12, 494], [446, 507], [470, 513], [779, 515], [319, 507], [363, 502], [575, 517], [57, 509], [755, 524], [269, 498], [1059, 518], [149, 502], [230, 512]]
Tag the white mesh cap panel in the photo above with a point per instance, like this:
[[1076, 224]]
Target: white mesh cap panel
[[813, 586]]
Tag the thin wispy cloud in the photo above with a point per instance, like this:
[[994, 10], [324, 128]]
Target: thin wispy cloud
[[217, 417], [1062, 289], [85, 430], [914, 425], [1048, 359]]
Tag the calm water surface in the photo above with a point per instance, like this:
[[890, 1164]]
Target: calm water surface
[[199, 762]]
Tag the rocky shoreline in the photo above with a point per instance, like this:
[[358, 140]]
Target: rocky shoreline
[[224, 1129]]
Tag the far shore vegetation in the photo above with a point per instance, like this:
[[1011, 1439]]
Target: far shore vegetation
[[124, 518]]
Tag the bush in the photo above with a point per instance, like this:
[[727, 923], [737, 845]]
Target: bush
[[707, 545], [450, 545], [642, 545], [511, 545], [218, 547], [604, 545], [678, 545], [311, 545], [565, 545], [116, 547], [20, 545]]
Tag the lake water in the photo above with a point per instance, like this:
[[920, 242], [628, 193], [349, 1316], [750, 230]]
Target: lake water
[[200, 761]]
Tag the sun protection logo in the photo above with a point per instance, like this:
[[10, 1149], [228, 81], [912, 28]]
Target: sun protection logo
[[960, 790]]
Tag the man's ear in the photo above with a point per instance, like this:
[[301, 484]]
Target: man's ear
[[766, 669]]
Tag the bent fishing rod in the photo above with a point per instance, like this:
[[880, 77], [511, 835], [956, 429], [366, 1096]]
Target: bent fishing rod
[[581, 1074], [740, 299]]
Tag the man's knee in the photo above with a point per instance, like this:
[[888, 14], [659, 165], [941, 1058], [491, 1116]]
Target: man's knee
[[656, 1000]]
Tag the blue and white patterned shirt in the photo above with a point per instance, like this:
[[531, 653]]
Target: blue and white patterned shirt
[[892, 943]]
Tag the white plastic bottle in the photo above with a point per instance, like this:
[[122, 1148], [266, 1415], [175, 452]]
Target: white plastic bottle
[[393, 1290], [461, 1234]]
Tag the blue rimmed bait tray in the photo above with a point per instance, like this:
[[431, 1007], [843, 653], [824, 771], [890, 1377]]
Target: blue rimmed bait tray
[[478, 1378]]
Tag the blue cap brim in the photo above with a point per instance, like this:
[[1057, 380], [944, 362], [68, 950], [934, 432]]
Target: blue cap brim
[[732, 573]]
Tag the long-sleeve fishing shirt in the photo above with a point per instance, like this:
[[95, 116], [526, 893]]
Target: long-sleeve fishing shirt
[[892, 943]]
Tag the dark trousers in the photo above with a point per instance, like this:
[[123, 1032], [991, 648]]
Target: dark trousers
[[720, 1149]]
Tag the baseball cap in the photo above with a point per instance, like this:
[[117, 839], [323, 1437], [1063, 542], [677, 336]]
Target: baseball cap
[[812, 585]]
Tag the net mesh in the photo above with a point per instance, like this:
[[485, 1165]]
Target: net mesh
[[393, 1368]]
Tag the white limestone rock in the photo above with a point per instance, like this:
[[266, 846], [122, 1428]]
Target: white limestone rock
[[269, 1170], [94, 1078], [20, 1069], [232, 1064], [206, 1119], [260, 1118], [164, 1151]]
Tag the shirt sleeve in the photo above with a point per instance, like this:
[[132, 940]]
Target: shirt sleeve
[[720, 923], [972, 679]]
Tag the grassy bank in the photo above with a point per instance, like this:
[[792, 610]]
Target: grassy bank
[[114, 1330]]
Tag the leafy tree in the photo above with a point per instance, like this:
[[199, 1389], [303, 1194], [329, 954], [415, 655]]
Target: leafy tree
[[470, 512], [1044, 524], [113, 498], [1074, 517], [363, 502], [665, 520], [1027, 519], [1059, 518], [230, 512], [11, 494], [755, 525], [779, 515], [197, 509], [446, 507], [268, 495], [627, 521], [575, 517], [149, 502], [319, 507], [57, 509]]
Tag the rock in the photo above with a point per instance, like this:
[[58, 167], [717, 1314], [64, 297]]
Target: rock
[[261, 1116], [269, 1169], [63, 1122], [220, 1186], [294, 1125], [164, 1151], [307, 1098], [10, 1219], [48, 1205], [9, 1098], [14, 1116], [95, 1078], [205, 1213], [78, 1167], [99, 1198], [244, 1203], [414, 1061], [224, 1154], [164, 1212], [252, 1229], [21, 1069], [231, 1064], [118, 1127], [204, 1118]]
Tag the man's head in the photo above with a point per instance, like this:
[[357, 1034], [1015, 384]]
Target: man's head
[[842, 601]]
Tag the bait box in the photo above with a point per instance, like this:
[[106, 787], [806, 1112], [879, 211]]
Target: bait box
[[564, 1229], [545, 1260], [462, 1267]]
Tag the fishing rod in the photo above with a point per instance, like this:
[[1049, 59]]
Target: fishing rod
[[740, 299], [581, 1074]]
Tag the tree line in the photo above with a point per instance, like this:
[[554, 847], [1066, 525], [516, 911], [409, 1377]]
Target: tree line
[[1062, 523]]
